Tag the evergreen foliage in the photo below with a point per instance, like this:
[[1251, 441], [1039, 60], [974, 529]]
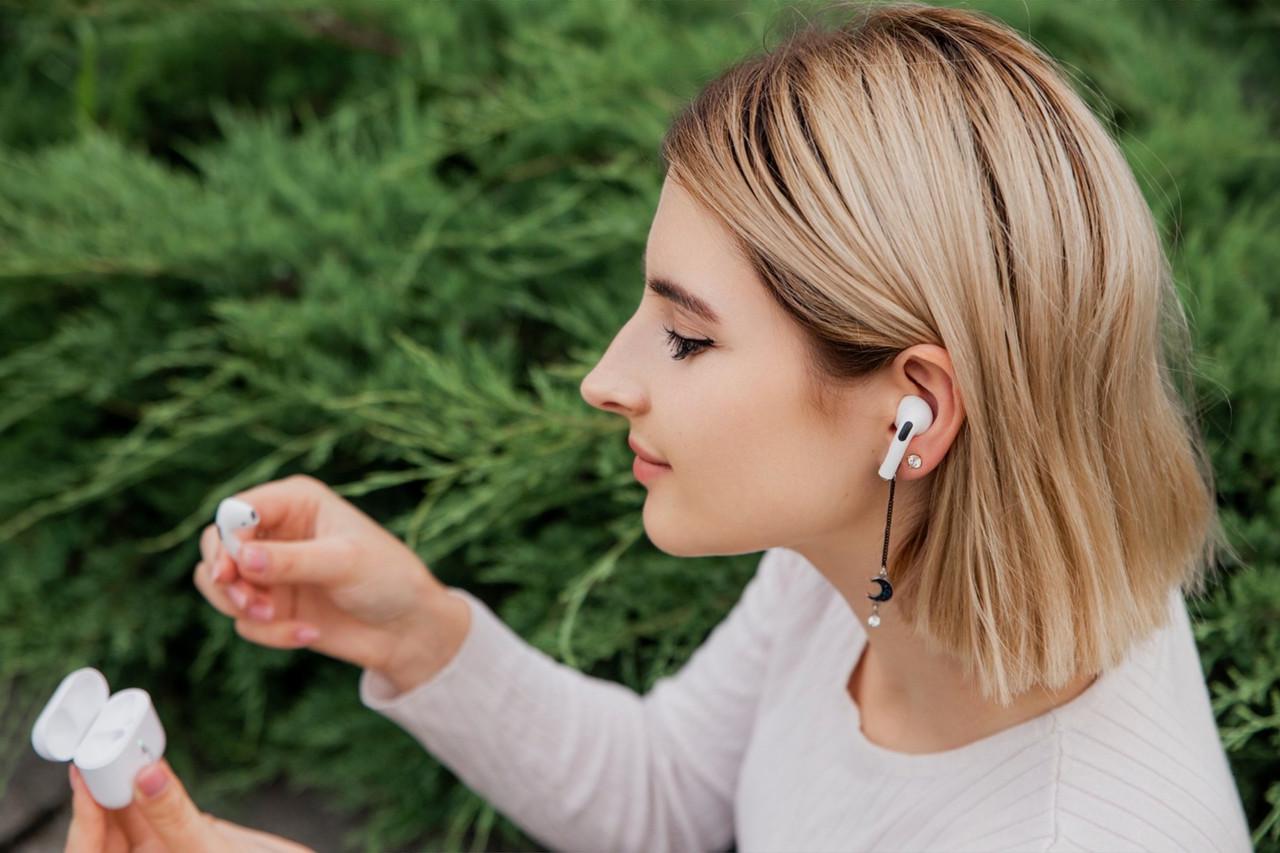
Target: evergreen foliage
[[382, 242]]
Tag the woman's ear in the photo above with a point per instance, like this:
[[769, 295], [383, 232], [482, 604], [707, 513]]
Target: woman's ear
[[925, 370]]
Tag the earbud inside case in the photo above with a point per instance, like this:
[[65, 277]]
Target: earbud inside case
[[109, 739]]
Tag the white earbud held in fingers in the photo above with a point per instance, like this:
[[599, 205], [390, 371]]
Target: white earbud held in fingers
[[109, 740], [914, 417], [234, 515]]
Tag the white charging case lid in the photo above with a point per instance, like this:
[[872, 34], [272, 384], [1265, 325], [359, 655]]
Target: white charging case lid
[[126, 723], [69, 713]]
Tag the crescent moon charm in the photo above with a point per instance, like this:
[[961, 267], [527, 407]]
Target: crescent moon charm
[[885, 592]]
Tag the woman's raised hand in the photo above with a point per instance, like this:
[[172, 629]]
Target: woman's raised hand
[[317, 562]]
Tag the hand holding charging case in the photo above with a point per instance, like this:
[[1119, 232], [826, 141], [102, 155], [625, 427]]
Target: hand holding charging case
[[108, 739]]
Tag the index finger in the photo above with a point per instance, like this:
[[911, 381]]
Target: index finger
[[87, 832], [93, 829], [330, 562], [286, 507]]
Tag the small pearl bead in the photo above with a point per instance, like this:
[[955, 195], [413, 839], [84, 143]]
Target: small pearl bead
[[874, 620]]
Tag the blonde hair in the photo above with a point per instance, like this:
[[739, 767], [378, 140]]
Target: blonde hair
[[921, 174]]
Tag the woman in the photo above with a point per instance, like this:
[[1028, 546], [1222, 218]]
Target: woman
[[913, 203]]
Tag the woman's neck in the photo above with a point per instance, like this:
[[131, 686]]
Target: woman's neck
[[912, 698], [940, 714]]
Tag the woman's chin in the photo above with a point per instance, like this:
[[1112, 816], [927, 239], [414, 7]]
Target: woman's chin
[[669, 535], [679, 536]]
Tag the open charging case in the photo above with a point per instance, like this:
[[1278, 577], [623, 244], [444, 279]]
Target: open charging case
[[109, 739]]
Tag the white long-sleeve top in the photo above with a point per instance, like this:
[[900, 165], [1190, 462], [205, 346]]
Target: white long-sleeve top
[[757, 743]]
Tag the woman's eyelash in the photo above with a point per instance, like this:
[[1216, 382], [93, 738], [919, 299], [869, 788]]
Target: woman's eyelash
[[686, 346]]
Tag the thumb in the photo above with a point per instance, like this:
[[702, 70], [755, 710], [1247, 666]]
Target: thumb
[[174, 818]]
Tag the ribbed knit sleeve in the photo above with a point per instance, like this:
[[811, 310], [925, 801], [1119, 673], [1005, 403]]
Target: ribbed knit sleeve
[[582, 763]]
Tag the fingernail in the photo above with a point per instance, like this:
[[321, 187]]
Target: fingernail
[[305, 634], [238, 595], [255, 559], [152, 780], [262, 610]]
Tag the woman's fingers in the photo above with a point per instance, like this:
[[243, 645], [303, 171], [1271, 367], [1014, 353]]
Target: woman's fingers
[[257, 603], [141, 837], [244, 838], [88, 830], [116, 840], [211, 553], [329, 561], [287, 507], [169, 812], [93, 828], [258, 620], [209, 549], [237, 600], [215, 594], [221, 567], [287, 510], [279, 634], [231, 597]]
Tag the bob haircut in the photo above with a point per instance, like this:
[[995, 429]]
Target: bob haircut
[[921, 174]]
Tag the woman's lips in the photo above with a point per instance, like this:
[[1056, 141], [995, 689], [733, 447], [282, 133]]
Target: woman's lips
[[646, 471], [646, 466], [645, 455]]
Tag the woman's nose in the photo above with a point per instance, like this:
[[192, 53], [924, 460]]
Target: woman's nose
[[614, 384], [610, 391]]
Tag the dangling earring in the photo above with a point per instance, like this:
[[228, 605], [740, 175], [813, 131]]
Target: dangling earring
[[886, 588]]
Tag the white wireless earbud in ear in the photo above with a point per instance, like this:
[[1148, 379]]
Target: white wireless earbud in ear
[[108, 737], [914, 417], [234, 515]]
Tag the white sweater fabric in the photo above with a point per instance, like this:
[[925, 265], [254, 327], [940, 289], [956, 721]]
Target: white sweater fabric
[[756, 743]]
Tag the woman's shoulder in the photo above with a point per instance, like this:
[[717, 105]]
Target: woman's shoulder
[[1141, 764], [1143, 796], [1135, 762]]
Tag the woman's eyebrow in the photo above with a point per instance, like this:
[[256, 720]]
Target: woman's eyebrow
[[669, 290]]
